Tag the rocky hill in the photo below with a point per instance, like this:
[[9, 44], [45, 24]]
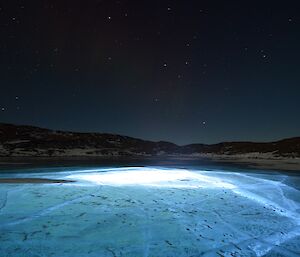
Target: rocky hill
[[24, 141]]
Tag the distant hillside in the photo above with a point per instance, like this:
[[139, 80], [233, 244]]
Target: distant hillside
[[285, 148], [25, 141], [34, 141]]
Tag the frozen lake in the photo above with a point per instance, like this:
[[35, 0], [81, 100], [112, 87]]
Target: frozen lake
[[150, 211]]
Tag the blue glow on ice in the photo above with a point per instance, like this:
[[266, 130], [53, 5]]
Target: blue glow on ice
[[151, 211], [154, 177]]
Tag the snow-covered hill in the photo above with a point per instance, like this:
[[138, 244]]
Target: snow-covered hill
[[24, 141], [34, 141]]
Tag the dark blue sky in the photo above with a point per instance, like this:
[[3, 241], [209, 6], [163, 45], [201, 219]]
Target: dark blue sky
[[182, 71]]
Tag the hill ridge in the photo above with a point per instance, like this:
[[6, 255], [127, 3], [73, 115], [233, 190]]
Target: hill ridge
[[26, 140]]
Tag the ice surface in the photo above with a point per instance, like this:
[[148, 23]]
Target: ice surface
[[151, 211]]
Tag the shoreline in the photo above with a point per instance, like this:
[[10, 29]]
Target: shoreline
[[283, 164], [33, 181]]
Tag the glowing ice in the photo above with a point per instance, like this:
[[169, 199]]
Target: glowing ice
[[151, 212], [153, 177]]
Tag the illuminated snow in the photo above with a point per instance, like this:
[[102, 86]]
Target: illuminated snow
[[151, 211]]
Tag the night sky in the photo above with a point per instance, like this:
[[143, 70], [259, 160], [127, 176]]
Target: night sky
[[182, 71]]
